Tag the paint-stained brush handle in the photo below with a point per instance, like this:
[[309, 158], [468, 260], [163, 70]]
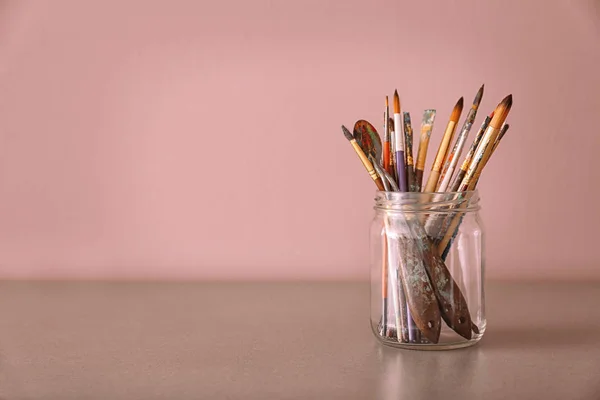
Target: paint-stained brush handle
[[420, 296], [453, 306]]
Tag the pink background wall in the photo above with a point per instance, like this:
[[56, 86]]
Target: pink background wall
[[201, 140]]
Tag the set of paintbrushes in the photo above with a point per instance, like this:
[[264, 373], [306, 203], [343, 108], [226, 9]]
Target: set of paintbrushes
[[428, 292]]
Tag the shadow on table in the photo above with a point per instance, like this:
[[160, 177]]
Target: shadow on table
[[541, 337]]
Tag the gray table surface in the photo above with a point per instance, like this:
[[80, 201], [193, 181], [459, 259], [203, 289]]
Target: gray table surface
[[283, 341]]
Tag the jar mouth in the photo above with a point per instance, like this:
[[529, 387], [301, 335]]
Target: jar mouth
[[427, 202]]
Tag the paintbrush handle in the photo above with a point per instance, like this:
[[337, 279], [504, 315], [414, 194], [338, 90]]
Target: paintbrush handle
[[432, 181], [418, 179], [420, 294], [402, 182], [411, 331], [453, 305], [457, 180], [387, 157], [412, 182], [368, 165]]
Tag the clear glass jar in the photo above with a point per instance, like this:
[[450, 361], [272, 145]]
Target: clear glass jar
[[427, 266]]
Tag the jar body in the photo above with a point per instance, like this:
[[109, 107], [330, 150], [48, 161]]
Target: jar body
[[427, 270]]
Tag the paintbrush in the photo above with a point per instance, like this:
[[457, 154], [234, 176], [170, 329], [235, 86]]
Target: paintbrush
[[469, 157], [384, 258], [426, 127], [393, 168], [405, 326], [386, 137], [400, 163], [443, 149], [500, 135], [402, 175], [480, 159], [363, 158], [435, 222], [408, 151], [452, 160], [370, 143], [497, 142], [485, 147]]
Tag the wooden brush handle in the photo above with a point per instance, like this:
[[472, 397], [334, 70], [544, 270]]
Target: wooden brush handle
[[458, 180], [418, 179], [412, 181], [386, 157], [379, 183], [432, 181]]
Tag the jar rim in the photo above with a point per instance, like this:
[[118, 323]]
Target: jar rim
[[427, 201]]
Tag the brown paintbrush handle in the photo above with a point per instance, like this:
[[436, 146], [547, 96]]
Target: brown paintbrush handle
[[458, 180], [379, 184], [419, 292], [410, 173], [411, 332], [453, 306], [418, 179]]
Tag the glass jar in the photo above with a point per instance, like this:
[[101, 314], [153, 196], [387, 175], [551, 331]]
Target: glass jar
[[427, 265]]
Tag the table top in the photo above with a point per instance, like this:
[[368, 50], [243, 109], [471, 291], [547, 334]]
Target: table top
[[76, 340]]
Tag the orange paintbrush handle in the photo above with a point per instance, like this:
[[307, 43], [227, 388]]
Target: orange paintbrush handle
[[387, 158]]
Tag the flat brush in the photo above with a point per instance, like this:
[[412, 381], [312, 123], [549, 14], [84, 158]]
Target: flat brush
[[426, 127], [363, 158], [469, 157], [400, 163], [408, 151], [452, 159], [480, 159], [443, 149]]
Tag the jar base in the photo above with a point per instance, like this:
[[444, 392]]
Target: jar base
[[448, 341], [430, 346]]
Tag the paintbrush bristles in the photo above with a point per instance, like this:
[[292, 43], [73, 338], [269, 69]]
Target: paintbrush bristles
[[501, 112], [387, 104], [478, 98], [347, 133], [396, 102], [503, 131], [455, 116]]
